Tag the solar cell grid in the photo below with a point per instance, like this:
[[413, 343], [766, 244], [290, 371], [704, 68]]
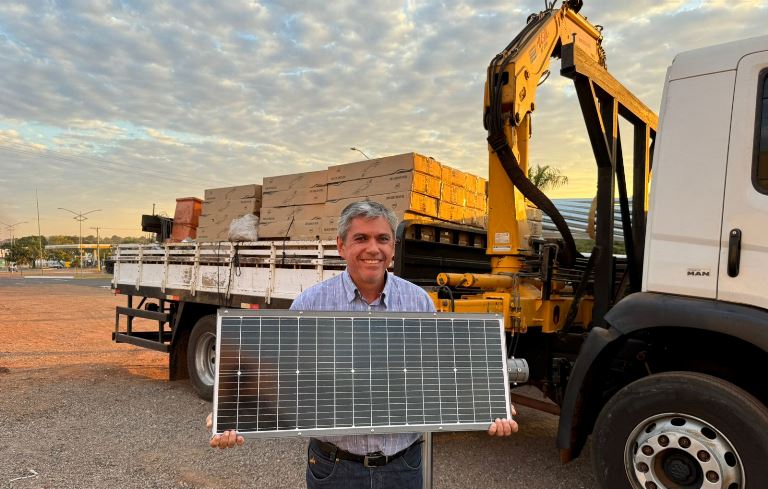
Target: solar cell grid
[[286, 373]]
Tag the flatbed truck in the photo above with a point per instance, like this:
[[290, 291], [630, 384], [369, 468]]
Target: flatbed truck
[[655, 353]]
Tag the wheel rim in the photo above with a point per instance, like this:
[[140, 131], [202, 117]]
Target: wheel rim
[[205, 358], [679, 451]]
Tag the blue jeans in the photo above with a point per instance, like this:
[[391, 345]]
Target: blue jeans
[[402, 473]]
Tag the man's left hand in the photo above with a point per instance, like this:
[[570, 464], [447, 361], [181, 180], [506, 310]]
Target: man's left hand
[[504, 427]]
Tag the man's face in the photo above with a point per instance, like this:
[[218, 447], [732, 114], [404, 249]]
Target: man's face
[[368, 249]]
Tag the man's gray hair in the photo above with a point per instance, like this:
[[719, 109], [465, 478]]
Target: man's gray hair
[[367, 209]]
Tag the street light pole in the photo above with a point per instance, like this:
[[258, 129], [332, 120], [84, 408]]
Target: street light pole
[[359, 151], [98, 244], [80, 217]]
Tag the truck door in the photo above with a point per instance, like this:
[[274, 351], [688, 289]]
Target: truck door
[[743, 269]]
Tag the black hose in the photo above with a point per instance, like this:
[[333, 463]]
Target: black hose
[[494, 123]]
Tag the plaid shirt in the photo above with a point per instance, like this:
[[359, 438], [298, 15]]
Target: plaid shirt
[[340, 294]]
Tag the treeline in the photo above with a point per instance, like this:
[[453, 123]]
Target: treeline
[[27, 250], [114, 239]]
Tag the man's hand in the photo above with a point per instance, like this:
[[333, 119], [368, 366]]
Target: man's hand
[[504, 427], [228, 439]]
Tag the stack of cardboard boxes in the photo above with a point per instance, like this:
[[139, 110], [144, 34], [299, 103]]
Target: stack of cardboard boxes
[[464, 198], [293, 206], [409, 184], [306, 206], [222, 205]]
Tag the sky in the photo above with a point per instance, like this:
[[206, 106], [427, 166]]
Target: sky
[[124, 106]]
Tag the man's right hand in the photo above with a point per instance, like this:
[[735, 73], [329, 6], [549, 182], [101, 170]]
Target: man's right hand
[[228, 439]]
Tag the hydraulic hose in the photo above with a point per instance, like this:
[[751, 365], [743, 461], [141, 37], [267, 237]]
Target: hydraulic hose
[[494, 123]]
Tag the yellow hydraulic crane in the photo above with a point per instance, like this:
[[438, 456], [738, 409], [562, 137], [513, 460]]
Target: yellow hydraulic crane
[[534, 282]]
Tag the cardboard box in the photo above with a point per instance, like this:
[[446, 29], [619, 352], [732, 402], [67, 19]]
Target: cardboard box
[[333, 208], [293, 197], [384, 166], [298, 229], [452, 176], [472, 183], [401, 202], [404, 204], [329, 226], [481, 186], [446, 173], [309, 211], [475, 217], [252, 191], [296, 180], [454, 194], [398, 182], [234, 208], [222, 205], [276, 214], [417, 217], [278, 229], [450, 212], [306, 229], [470, 200], [213, 229], [477, 201]]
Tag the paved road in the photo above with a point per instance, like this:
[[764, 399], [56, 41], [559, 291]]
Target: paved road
[[81, 411], [34, 278]]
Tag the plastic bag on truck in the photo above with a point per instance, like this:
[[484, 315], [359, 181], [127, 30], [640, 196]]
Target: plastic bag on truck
[[244, 228]]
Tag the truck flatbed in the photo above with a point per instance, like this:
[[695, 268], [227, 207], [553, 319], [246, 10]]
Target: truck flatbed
[[226, 273]]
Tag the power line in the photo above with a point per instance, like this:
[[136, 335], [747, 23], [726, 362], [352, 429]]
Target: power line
[[80, 217]]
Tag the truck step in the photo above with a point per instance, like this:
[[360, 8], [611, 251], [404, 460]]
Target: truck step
[[145, 339], [141, 313]]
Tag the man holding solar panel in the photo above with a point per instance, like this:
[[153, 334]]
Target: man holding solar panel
[[366, 240]]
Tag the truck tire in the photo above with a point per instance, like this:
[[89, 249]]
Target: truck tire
[[680, 430], [201, 356]]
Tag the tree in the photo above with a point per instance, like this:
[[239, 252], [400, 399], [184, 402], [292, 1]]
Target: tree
[[26, 250], [546, 177]]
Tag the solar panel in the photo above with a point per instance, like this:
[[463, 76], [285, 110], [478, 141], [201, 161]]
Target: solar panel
[[290, 373]]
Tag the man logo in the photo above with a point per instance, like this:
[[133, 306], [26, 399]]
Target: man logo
[[698, 272]]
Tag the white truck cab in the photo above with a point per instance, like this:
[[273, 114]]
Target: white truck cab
[[707, 223], [672, 387]]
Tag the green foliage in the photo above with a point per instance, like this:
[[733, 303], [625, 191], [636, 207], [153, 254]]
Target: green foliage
[[26, 250], [59, 240], [139, 240], [586, 245], [546, 177]]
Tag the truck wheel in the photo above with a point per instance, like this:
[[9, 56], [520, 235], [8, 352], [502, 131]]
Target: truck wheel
[[201, 356], [681, 430]]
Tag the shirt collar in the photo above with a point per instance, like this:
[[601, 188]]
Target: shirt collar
[[352, 293]]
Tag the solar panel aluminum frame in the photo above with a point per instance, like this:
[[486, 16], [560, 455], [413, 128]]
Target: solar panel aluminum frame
[[367, 429]]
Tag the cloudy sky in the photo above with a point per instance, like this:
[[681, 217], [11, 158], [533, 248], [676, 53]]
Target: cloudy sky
[[123, 105]]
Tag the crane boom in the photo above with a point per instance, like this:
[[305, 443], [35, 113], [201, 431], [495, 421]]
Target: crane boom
[[548, 284], [510, 96]]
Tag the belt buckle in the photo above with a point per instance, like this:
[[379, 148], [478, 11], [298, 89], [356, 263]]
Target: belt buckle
[[375, 459]]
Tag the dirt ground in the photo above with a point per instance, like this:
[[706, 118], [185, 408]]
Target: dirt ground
[[77, 410]]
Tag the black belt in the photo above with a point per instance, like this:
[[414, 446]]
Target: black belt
[[375, 459]]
